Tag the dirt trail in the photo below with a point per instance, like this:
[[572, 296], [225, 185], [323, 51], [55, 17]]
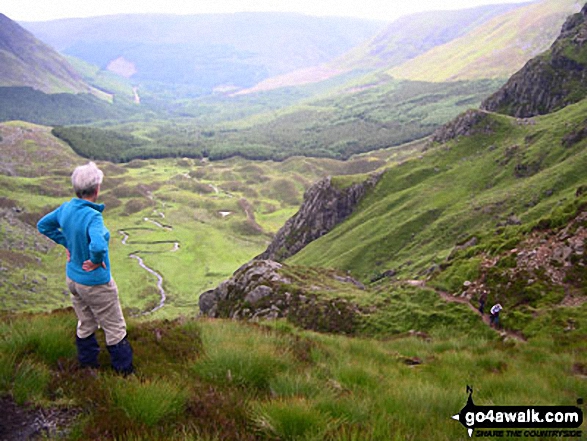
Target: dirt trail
[[463, 301]]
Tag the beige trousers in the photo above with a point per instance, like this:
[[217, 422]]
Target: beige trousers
[[97, 307]]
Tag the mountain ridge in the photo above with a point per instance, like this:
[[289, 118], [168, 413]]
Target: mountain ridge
[[403, 39], [514, 153]]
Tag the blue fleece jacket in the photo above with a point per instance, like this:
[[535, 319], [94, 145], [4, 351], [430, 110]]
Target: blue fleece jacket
[[78, 226]]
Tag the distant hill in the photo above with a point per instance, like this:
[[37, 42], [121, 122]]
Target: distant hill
[[27, 62], [402, 40], [496, 49], [551, 81], [212, 51]]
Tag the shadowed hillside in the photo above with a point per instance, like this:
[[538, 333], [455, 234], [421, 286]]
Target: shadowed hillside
[[26, 61]]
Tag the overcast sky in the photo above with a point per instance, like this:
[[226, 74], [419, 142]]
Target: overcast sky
[[37, 10]]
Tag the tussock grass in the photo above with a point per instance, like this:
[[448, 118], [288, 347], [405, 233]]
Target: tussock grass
[[30, 382], [292, 420], [295, 384], [149, 402], [230, 360], [225, 380], [49, 337]]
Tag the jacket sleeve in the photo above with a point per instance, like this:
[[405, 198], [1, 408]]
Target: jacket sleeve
[[98, 243], [49, 226]]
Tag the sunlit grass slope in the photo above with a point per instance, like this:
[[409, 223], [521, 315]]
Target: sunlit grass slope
[[496, 49]]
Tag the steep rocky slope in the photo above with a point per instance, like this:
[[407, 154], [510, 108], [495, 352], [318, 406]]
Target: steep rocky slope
[[320, 300], [325, 206], [550, 81]]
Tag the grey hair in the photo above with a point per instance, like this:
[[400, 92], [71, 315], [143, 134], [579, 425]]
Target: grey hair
[[86, 179]]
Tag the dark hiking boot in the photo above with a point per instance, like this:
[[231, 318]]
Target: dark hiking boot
[[87, 351], [121, 357]]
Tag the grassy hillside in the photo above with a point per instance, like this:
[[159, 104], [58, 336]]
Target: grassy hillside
[[114, 86], [27, 104], [469, 187], [200, 380], [496, 49], [404, 373], [338, 125]]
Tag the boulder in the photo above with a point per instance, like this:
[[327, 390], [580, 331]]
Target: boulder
[[252, 282]]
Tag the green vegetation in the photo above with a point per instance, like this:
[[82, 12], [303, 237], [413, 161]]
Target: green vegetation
[[226, 380], [200, 205], [148, 402], [26, 61], [501, 46], [336, 126], [445, 224], [468, 187], [193, 55]]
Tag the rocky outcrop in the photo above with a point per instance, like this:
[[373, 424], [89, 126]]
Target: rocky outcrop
[[324, 207], [550, 81], [260, 290], [548, 262], [250, 283], [469, 123]]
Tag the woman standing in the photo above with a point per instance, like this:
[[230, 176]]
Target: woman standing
[[78, 226]]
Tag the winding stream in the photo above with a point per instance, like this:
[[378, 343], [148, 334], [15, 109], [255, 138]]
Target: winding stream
[[159, 283], [162, 293]]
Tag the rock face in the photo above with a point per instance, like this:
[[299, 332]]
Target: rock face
[[467, 124], [324, 207], [258, 290], [550, 81]]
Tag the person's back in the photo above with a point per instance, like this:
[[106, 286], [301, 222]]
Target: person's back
[[85, 237], [78, 226]]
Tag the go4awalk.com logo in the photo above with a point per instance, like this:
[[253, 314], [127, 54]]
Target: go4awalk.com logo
[[520, 421]]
